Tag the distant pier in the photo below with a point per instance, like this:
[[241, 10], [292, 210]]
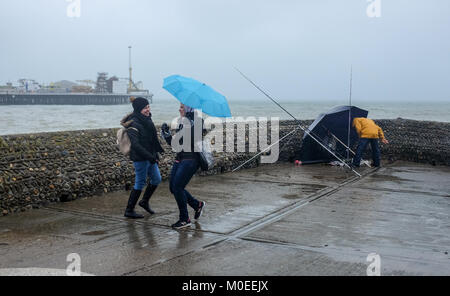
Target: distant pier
[[67, 99]]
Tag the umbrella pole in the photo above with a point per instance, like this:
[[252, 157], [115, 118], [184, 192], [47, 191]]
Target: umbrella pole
[[307, 131]]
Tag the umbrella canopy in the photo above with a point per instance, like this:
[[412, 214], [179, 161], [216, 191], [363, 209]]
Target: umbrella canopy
[[334, 122], [197, 95]]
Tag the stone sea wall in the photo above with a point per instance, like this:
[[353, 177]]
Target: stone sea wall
[[410, 140], [37, 169]]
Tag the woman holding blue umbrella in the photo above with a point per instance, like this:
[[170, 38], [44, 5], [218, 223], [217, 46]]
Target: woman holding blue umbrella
[[193, 95], [185, 166]]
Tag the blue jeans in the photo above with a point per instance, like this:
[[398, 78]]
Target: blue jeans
[[144, 169], [363, 142], [182, 172]]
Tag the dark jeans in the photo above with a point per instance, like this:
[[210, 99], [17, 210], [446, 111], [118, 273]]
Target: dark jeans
[[144, 169], [363, 142], [182, 172]]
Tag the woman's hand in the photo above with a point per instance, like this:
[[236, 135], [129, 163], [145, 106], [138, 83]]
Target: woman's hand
[[165, 132]]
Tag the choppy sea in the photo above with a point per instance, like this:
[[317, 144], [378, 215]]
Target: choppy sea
[[49, 118]]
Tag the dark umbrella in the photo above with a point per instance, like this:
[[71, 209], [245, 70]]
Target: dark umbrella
[[331, 128]]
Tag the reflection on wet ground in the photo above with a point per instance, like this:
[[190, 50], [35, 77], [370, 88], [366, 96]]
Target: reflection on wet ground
[[271, 220]]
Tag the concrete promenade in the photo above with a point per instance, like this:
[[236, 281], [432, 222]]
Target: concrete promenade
[[272, 220]]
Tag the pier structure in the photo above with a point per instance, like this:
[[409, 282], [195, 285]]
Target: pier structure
[[67, 99]]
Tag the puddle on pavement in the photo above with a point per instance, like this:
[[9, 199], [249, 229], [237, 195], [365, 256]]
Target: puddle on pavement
[[291, 196]]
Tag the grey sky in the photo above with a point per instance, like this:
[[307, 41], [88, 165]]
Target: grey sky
[[297, 50]]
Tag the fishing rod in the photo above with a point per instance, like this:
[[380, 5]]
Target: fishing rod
[[299, 123], [350, 111], [307, 131], [349, 123], [237, 168]]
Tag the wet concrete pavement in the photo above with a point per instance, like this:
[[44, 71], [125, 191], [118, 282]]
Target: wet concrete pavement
[[271, 220]]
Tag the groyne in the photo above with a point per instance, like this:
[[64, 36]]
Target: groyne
[[37, 169]]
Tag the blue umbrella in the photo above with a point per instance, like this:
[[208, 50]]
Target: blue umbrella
[[197, 95]]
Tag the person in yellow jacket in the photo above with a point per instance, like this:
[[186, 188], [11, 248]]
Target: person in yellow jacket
[[368, 132]]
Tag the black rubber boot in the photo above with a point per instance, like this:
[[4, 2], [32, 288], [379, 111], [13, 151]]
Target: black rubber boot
[[134, 197], [144, 203]]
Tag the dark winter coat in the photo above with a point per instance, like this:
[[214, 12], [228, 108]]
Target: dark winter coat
[[190, 154], [144, 142]]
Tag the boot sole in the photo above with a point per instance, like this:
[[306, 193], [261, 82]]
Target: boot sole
[[181, 227]]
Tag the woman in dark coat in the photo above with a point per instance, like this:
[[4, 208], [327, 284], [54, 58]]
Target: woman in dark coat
[[144, 151], [185, 166]]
